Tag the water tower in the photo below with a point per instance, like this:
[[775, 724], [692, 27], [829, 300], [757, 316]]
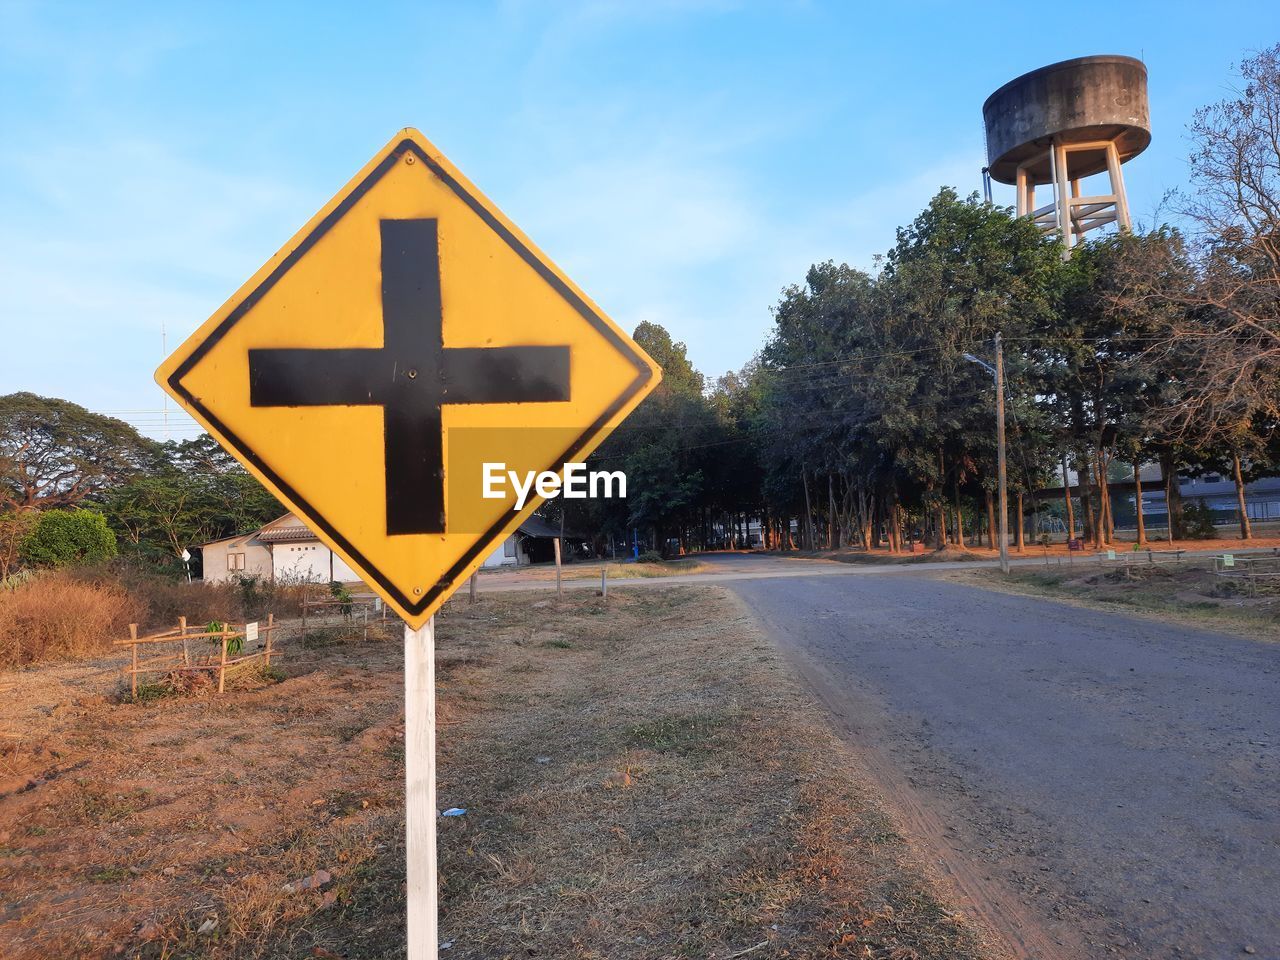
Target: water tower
[[1063, 123]]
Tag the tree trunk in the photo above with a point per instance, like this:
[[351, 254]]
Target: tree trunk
[[1066, 496], [895, 517], [1021, 542], [833, 531], [991, 520], [959, 514], [1137, 501], [806, 533], [1083, 469], [1104, 499], [1173, 497], [1246, 532]]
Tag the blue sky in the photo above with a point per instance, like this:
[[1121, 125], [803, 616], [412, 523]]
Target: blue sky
[[681, 161]]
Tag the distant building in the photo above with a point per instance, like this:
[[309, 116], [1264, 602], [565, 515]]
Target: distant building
[[244, 555], [1215, 490], [287, 549], [1218, 493]]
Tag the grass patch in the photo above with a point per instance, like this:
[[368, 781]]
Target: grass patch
[[98, 807], [109, 875], [151, 691], [677, 734], [1186, 593]]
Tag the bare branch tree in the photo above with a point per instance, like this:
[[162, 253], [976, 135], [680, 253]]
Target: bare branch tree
[[1220, 330]]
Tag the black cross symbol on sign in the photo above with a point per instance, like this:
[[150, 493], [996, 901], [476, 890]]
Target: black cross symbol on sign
[[411, 376]]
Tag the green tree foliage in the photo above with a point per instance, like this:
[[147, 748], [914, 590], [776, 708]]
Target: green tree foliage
[[66, 538], [54, 453], [196, 494]]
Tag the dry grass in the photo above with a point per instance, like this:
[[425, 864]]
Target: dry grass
[[64, 615], [590, 570], [642, 779], [58, 617], [1186, 593]]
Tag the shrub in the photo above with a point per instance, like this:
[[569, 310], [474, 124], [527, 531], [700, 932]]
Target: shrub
[[66, 538], [649, 556], [1197, 521], [55, 616]]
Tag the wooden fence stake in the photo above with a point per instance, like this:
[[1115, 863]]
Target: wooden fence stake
[[304, 615], [473, 587], [186, 655], [222, 664], [559, 585], [420, 789], [604, 582], [133, 635], [271, 619]]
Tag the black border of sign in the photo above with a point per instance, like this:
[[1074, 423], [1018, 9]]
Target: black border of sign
[[643, 374]]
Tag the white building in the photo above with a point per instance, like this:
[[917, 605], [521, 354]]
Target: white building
[[287, 549], [283, 549], [244, 555]]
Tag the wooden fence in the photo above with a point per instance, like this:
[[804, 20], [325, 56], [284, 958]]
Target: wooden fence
[[173, 661], [323, 608], [1251, 571]]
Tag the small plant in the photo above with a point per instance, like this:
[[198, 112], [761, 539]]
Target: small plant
[[250, 585], [234, 644], [649, 556], [342, 595]]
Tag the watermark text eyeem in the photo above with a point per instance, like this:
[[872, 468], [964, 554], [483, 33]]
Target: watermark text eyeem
[[577, 484]]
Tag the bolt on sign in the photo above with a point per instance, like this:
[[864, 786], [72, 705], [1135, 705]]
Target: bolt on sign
[[406, 335]]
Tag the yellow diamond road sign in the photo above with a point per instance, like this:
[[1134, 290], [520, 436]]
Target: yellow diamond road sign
[[404, 338]]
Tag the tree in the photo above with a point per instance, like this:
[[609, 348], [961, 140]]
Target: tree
[[54, 453], [660, 446], [1225, 328], [159, 514], [64, 538], [15, 527]]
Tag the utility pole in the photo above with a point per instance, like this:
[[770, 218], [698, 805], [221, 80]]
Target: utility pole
[[1004, 487], [998, 372]]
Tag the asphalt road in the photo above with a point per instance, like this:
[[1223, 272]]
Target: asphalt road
[[1104, 785], [729, 567]]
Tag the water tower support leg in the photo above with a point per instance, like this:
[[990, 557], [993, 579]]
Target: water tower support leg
[[1064, 198], [1117, 188], [1075, 196]]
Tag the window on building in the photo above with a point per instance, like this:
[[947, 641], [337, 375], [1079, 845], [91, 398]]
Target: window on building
[[235, 561]]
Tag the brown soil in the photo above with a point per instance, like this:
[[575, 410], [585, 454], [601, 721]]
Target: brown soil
[[642, 779]]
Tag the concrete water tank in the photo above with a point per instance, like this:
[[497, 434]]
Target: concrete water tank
[[1062, 123]]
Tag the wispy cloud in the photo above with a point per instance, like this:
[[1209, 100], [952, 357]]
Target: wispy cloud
[[105, 242]]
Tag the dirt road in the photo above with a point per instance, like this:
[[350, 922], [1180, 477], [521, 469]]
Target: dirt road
[[1109, 781]]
